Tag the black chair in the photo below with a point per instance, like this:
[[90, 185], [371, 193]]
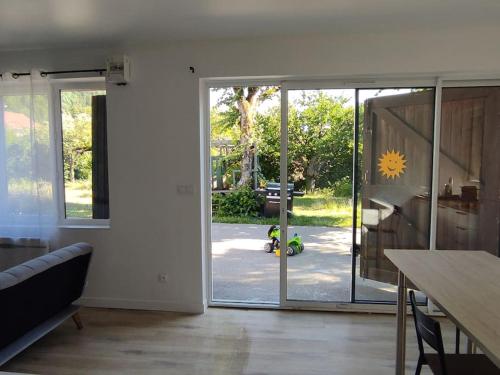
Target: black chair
[[429, 330]]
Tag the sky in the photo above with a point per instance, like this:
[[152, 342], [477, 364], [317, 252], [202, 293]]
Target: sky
[[293, 95]]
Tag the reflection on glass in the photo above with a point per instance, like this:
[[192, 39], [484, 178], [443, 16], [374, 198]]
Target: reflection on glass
[[396, 171], [468, 204], [28, 171]]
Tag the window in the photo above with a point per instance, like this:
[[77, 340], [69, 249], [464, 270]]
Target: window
[[83, 165]]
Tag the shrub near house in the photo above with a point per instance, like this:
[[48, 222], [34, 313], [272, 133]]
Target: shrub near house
[[240, 202]]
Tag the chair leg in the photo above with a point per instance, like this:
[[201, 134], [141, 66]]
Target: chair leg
[[78, 321], [457, 341], [471, 346], [419, 366]]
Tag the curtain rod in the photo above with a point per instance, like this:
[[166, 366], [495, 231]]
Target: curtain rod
[[44, 74]]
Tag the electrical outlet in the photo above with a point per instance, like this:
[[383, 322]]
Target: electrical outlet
[[162, 277]]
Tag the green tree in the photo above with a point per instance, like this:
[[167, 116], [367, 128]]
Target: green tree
[[22, 104], [241, 104], [77, 144], [76, 107], [224, 139], [268, 143], [320, 140], [30, 142]]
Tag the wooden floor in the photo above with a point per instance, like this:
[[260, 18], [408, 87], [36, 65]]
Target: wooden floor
[[222, 341]]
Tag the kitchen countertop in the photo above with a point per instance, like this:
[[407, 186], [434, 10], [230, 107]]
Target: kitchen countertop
[[456, 203]]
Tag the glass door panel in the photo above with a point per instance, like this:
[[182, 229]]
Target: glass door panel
[[245, 169], [396, 172], [319, 152], [469, 183]]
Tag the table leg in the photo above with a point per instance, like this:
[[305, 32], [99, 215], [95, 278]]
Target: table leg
[[401, 327]]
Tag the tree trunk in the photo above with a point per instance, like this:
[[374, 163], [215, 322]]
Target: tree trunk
[[246, 108], [310, 184], [71, 169], [312, 173]]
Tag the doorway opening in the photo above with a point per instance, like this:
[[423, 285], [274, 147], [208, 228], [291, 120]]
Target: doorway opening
[[337, 210]]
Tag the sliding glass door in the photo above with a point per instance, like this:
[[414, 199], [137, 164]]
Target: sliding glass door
[[359, 173], [338, 173], [395, 183], [468, 210], [320, 150]]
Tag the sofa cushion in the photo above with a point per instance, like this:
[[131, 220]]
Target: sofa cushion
[[33, 267], [7, 280], [20, 272]]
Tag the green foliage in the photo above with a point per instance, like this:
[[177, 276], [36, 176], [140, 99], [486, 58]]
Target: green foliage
[[268, 143], [232, 121], [78, 196], [223, 125], [320, 141], [22, 104], [246, 220], [83, 166], [76, 107], [342, 187], [225, 137], [318, 209], [29, 141], [240, 202], [322, 208]]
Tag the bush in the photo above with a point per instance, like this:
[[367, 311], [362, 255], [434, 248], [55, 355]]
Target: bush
[[240, 202], [342, 187]]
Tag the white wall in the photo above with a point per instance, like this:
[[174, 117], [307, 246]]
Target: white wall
[[154, 141]]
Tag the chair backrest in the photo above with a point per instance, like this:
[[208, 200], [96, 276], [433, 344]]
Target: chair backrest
[[428, 330]]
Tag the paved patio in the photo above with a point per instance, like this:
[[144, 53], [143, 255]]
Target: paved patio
[[243, 271]]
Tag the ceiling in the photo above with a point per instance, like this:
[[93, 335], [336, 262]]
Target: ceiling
[[28, 24]]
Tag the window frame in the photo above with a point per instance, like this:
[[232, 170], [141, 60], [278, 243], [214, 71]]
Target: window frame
[[57, 86]]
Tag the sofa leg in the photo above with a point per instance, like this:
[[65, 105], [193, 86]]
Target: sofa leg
[[77, 320]]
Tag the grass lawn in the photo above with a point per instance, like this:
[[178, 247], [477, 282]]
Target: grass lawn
[[317, 209], [78, 196]]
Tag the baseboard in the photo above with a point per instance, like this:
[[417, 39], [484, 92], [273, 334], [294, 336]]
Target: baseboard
[[132, 304]]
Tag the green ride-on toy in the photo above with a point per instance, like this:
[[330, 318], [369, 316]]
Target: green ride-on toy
[[294, 244]]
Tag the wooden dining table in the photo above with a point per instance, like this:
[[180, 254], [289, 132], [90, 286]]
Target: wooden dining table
[[464, 285]]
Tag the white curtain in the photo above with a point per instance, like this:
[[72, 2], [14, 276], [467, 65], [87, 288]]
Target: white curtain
[[28, 207]]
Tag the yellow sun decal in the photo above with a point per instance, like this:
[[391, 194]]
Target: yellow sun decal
[[392, 164]]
